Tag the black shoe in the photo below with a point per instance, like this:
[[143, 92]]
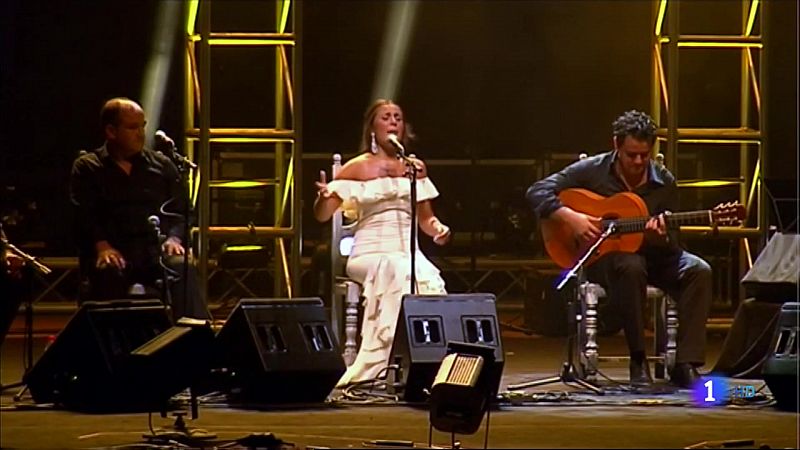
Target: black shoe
[[683, 375], [640, 373]]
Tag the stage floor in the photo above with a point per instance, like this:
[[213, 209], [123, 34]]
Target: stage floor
[[543, 419]]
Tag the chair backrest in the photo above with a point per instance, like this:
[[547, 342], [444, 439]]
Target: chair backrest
[[336, 227], [341, 230]]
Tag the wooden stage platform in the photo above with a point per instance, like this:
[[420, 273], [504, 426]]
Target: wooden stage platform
[[553, 416]]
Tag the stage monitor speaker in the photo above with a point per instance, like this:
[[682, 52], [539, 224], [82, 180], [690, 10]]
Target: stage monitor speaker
[[279, 351], [172, 361], [425, 325], [88, 366], [749, 340], [780, 369], [775, 274], [782, 193]]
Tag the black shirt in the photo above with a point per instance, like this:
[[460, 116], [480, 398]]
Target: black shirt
[[115, 206], [597, 174]]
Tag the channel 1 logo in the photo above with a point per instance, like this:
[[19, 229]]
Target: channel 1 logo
[[711, 391]]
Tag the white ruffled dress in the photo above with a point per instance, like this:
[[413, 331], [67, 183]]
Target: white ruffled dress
[[380, 261]]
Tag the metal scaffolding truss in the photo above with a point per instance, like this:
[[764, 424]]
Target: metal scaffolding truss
[[750, 131], [279, 143]]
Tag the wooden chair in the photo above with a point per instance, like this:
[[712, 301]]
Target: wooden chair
[[346, 293], [665, 324]]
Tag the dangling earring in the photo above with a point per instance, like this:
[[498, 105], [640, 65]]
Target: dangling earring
[[373, 146]]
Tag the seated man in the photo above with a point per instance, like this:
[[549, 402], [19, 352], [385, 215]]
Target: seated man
[[117, 188], [660, 261]]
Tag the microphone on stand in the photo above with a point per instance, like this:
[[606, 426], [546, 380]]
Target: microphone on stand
[[392, 138], [155, 222], [166, 145], [412, 174]]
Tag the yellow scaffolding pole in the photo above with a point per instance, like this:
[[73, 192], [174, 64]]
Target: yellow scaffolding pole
[[201, 138]]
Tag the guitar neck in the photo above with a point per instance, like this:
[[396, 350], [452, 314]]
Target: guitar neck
[[674, 220]]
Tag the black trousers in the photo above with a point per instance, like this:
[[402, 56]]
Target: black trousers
[[111, 283], [684, 276]]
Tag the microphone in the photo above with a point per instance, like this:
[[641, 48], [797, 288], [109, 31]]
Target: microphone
[[155, 221], [392, 138], [166, 145]]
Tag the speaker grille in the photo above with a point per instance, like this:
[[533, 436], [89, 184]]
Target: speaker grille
[[426, 331], [787, 343], [271, 338], [466, 370], [317, 337], [480, 330]]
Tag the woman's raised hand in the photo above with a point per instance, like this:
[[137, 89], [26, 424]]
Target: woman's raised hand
[[322, 186]]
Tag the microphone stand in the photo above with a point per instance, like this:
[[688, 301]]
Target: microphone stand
[[41, 268], [573, 278], [165, 285], [27, 276], [182, 163], [412, 175]]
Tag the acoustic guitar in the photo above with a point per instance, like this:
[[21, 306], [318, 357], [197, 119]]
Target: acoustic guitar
[[628, 213]]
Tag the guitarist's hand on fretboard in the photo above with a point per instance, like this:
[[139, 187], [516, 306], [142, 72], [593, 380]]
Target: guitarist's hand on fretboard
[[655, 230]]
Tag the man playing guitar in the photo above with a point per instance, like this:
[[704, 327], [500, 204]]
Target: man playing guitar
[[660, 261]]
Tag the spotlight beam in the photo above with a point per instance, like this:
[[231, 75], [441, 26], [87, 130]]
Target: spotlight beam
[[394, 50], [156, 72]]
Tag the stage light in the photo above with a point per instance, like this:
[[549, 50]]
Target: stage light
[[460, 394]]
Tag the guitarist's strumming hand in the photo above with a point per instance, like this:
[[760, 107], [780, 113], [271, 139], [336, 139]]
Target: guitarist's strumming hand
[[584, 226]]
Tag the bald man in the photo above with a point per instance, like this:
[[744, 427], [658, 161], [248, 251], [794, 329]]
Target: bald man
[[116, 189]]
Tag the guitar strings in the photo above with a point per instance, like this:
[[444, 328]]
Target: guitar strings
[[638, 223]]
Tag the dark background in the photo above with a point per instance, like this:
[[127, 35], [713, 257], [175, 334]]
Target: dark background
[[484, 79]]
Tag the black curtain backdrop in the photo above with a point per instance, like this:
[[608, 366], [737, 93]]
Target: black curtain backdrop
[[484, 79]]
